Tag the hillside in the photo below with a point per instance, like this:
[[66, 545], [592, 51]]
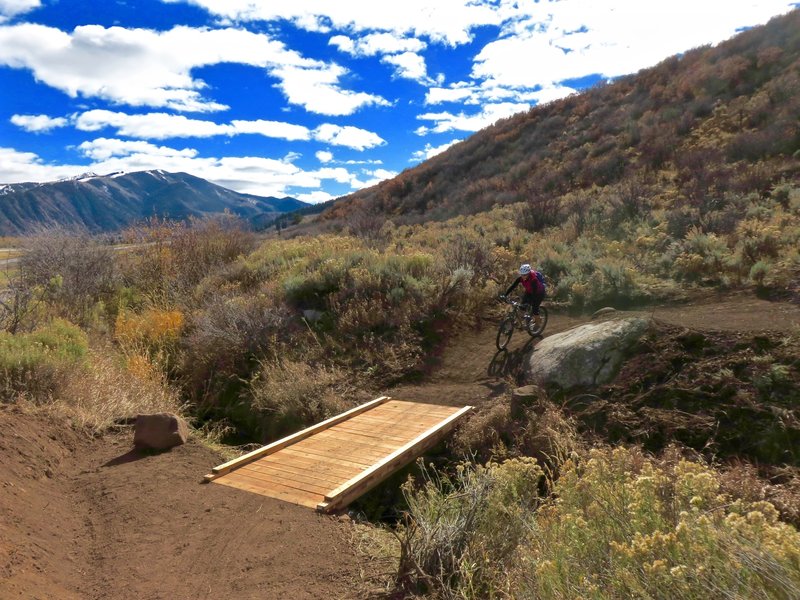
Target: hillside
[[710, 121], [110, 202]]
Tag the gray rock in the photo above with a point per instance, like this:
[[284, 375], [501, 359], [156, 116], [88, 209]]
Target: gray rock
[[603, 312], [312, 316], [585, 356], [159, 431]]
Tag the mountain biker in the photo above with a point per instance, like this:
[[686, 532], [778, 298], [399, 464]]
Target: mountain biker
[[535, 290]]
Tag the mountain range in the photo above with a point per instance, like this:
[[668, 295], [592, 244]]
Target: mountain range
[[111, 202]]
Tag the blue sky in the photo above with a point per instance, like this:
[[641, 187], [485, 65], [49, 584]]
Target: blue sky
[[308, 98]]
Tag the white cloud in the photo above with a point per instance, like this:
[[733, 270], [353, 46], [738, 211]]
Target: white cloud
[[445, 121], [149, 68], [377, 43], [154, 126], [102, 149], [438, 95], [38, 123], [318, 90], [160, 126], [547, 94], [375, 177], [408, 65], [272, 129], [352, 137], [19, 167], [315, 197], [324, 156], [557, 41], [445, 21], [254, 175], [430, 151], [12, 8]]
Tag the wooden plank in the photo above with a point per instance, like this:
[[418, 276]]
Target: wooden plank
[[355, 438], [398, 407], [295, 497], [319, 466], [315, 453], [366, 480], [411, 428], [358, 453], [295, 468], [385, 436], [304, 485], [295, 474], [289, 440], [269, 488], [398, 418]]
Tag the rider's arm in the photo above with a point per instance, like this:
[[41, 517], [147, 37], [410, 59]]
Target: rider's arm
[[513, 285]]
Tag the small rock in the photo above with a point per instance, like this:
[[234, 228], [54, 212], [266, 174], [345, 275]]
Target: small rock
[[522, 398], [160, 431], [48, 473], [608, 310]]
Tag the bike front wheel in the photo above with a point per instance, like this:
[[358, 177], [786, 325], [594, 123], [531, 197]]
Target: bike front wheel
[[504, 333], [533, 328]]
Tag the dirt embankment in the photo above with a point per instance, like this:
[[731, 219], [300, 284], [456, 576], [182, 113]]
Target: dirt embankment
[[82, 518], [88, 518]]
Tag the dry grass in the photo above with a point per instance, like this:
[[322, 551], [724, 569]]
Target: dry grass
[[109, 391]]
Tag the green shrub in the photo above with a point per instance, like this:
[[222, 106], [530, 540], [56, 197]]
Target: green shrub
[[462, 531], [616, 524], [33, 364]]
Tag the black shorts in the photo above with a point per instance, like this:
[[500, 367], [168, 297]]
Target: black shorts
[[534, 301]]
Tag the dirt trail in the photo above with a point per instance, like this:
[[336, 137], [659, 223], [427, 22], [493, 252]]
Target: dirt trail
[[90, 519], [470, 370]]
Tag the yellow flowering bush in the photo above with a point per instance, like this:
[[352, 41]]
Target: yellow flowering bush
[[619, 525]]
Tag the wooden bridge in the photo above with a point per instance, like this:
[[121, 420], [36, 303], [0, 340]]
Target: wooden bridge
[[330, 464]]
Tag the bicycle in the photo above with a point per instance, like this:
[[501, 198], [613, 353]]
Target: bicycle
[[517, 317]]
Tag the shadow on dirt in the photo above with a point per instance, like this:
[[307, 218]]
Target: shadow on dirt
[[133, 455], [505, 363]]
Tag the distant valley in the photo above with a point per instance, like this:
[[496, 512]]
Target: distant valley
[[111, 202]]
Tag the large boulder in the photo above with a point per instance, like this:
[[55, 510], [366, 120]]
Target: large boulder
[[159, 431], [585, 356]]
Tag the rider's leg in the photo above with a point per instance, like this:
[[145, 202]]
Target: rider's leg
[[537, 301], [529, 306]]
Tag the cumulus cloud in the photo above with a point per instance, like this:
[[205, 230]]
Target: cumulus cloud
[[12, 8], [456, 93], [374, 177], [318, 90], [38, 123], [377, 43], [104, 148], [246, 174], [142, 67], [161, 126], [549, 42], [408, 65], [445, 121], [19, 167], [430, 151], [447, 21], [352, 137], [324, 156]]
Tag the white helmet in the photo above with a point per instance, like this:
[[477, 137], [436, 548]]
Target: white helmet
[[525, 269]]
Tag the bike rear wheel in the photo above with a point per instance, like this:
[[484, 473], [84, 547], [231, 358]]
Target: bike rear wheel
[[534, 329], [504, 333]]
